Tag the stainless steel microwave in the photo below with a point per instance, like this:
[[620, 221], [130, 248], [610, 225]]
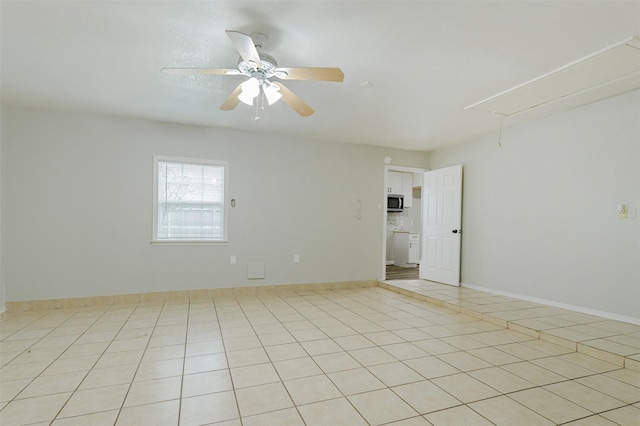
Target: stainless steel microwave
[[395, 203]]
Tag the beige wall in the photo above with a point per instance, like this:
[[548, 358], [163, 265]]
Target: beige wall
[[78, 208], [539, 215]]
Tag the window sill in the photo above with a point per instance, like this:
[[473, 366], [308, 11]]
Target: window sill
[[188, 243]]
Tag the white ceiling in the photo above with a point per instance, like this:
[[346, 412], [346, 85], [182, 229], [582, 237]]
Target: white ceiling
[[425, 60]]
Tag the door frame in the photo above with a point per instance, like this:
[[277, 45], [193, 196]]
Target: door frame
[[387, 169]]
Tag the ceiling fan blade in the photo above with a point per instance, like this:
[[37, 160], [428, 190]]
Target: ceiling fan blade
[[291, 99], [192, 71], [232, 101], [321, 74], [245, 46]]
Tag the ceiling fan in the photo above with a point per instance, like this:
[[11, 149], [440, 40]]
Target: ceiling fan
[[261, 68]]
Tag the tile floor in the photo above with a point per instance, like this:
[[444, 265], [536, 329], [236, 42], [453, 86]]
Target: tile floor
[[334, 357]]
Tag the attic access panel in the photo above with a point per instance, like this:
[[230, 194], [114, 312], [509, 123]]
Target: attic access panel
[[611, 71]]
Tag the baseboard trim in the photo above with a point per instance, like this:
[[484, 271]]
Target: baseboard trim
[[555, 304], [180, 296]]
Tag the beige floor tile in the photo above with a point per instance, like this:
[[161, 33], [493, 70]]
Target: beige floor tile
[[355, 381], [9, 389], [202, 363], [383, 338], [494, 356], [127, 344], [584, 396], [465, 388], [247, 357], [308, 334], [46, 385], [320, 347], [533, 373], [117, 359], [60, 342], [13, 372], [612, 387], [564, 368], [296, 368], [159, 369], [589, 362], [352, 342], [210, 408], [104, 418], [37, 355], [395, 373], [207, 382], [152, 391], [594, 420], [311, 389], [547, 348], [425, 397], [335, 412], [240, 343], [464, 361], [413, 421], [372, 356], [501, 380], [33, 410], [626, 375], [435, 346], [286, 351], [160, 413], [99, 377], [69, 365], [404, 351], [337, 361], [276, 338], [549, 405], [254, 375], [463, 342], [287, 417], [411, 334], [431, 367], [204, 348], [504, 411], [381, 406], [262, 399], [94, 400], [461, 415], [625, 416]]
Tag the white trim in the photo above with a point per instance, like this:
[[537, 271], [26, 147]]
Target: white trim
[[607, 315], [154, 206], [190, 242]]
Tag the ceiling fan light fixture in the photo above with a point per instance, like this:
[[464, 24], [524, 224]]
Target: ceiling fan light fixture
[[272, 93], [250, 89]]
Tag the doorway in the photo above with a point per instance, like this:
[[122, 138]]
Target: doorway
[[402, 230]]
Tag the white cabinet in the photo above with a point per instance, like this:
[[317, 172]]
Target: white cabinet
[[406, 249], [401, 184], [395, 183]]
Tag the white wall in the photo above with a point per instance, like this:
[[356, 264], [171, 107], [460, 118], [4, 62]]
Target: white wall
[[539, 215], [77, 207]]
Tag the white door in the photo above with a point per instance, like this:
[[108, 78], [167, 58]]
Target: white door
[[441, 227]]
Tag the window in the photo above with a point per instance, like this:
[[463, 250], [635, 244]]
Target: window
[[189, 200]]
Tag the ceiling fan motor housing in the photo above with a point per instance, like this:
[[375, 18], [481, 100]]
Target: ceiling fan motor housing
[[267, 70]]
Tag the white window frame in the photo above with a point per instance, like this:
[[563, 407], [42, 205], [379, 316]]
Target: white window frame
[[199, 161]]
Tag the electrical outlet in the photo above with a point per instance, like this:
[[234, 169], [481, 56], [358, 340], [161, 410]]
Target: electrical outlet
[[232, 259], [631, 212], [296, 258]]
